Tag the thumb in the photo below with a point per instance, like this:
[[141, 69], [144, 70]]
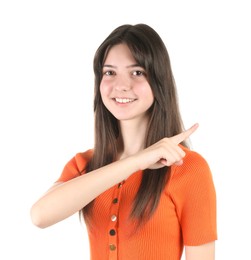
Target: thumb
[[184, 135]]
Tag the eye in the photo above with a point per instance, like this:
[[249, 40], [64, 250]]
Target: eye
[[108, 73], [138, 73]]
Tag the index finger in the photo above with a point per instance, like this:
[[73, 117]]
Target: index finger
[[184, 135]]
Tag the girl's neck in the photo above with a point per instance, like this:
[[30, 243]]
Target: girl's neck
[[132, 137]]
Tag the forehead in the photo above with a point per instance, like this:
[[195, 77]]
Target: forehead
[[119, 54]]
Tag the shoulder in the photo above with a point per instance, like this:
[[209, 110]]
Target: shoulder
[[194, 172], [192, 190], [193, 161], [76, 165], [81, 159]]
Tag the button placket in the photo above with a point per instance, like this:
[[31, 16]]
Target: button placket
[[113, 225]]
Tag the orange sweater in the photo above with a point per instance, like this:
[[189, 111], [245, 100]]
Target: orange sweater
[[186, 214]]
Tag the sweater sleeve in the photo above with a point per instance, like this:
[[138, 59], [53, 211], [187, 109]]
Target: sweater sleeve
[[194, 195], [75, 167]]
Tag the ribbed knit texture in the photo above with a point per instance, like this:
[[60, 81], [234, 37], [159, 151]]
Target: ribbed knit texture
[[186, 214]]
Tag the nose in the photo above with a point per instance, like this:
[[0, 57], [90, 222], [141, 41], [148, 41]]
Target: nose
[[122, 83]]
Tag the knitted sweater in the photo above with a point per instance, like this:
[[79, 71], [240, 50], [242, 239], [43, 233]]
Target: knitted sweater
[[186, 214]]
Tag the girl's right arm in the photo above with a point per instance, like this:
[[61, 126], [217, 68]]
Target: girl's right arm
[[65, 199]]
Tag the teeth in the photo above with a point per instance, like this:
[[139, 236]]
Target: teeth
[[124, 100]]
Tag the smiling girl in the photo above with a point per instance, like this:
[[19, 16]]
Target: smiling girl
[[143, 193]]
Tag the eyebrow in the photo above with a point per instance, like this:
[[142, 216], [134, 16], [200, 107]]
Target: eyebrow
[[129, 66]]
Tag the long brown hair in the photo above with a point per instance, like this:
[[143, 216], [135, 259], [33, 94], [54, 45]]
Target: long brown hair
[[150, 53]]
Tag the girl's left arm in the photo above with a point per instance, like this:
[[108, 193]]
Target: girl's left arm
[[202, 252]]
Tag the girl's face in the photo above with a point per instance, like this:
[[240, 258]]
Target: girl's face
[[124, 88]]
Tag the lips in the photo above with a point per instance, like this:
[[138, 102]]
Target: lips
[[124, 100]]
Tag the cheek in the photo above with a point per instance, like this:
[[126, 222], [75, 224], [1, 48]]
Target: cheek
[[104, 89], [105, 92], [146, 92]]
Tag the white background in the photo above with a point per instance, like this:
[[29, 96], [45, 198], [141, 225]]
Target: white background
[[46, 94]]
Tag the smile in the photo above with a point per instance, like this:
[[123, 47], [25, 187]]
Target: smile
[[124, 100]]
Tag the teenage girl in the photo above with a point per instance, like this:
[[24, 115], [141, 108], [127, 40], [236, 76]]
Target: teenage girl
[[143, 193]]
